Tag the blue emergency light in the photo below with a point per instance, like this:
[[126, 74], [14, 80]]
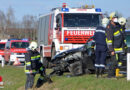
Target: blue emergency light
[[25, 39], [98, 10], [66, 39], [65, 9]]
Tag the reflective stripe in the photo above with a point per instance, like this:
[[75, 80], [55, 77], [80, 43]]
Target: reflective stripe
[[27, 71], [125, 41], [118, 50], [97, 65], [117, 33], [102, 65], [41, 68], [109, 42], [35, 57], [116, 56], [100, 31], [28, 63]]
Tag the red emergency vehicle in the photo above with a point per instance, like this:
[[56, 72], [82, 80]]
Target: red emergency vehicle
[[15, 49], [2, 46], [66, 28]]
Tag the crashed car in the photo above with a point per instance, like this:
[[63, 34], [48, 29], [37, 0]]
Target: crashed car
[[81, 60]]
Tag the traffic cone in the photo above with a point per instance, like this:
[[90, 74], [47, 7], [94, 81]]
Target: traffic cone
[[1, 82], [16, 62]]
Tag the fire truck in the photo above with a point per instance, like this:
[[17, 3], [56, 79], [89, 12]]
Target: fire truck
[[2, 46], [15, 49], [66, 28]]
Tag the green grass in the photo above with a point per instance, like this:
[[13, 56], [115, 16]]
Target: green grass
[[14, 78]]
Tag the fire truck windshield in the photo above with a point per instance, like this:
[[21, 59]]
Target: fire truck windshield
[[19, 44], [81, 20], [2, 46]]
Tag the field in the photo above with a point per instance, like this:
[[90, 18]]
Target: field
[[14, 79]]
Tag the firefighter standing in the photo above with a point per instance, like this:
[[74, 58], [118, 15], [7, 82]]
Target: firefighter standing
[[33, 66], [101, 47], [116, 43]]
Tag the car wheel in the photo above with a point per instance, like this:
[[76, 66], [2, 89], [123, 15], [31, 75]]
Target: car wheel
[[76, 68]]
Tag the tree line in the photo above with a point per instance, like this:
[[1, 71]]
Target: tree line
[[27, 28], [10, 27]]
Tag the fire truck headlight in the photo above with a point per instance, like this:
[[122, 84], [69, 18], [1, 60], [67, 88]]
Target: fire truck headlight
[[66, 47], [13, 53]]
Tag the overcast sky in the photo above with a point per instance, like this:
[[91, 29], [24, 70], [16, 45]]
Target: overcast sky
[[36, 7]]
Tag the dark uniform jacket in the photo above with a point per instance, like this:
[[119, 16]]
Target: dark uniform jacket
[[115, 38], [32, 61], [100, 38]]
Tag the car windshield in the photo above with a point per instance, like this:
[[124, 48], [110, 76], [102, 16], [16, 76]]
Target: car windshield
[[2, 46], [19, 44], [81, 20]]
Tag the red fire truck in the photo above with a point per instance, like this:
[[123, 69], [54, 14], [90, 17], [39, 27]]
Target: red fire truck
[[2, 46], [15, 49], [65, 28]]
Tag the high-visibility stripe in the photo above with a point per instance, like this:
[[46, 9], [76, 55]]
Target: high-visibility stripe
[[97, 65], [35, 57], [118, 50], [102, 65], [117, 33], [41, 68], [100, 31], [27, 63], [116, 56]]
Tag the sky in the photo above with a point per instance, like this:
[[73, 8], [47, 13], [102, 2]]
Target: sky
[[37, 7]]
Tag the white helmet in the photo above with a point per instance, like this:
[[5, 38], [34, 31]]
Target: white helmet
[[105, 21], [122, 21], [33, 45]]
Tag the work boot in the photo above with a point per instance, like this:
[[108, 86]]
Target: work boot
[[47, 78], [101, 71], [40, 83], [97, 72]]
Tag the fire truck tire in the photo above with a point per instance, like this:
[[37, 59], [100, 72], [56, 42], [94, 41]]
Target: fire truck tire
[[76, 68], [45, 62], [53, 52]]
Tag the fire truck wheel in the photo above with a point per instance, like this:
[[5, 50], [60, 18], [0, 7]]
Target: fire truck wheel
[[76, 68], [53, 52], [45, 62]]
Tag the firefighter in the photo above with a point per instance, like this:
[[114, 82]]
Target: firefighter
[[101, 47], [116, 43], [33, 66]]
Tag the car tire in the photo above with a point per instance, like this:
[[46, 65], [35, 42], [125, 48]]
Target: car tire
[[76, 68]]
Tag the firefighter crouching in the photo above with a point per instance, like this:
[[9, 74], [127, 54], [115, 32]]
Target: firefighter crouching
[[116, 44], [101, 47], [34, 66]]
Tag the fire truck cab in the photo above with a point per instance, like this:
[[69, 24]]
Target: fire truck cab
[[2, 46], [15, 49], [66, 28]]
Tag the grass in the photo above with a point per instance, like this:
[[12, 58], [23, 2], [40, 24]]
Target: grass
[[14, 79]]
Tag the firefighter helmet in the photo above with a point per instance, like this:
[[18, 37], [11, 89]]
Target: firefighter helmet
[[33, 45], [112, 15], [122, 21], [105, 21]]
